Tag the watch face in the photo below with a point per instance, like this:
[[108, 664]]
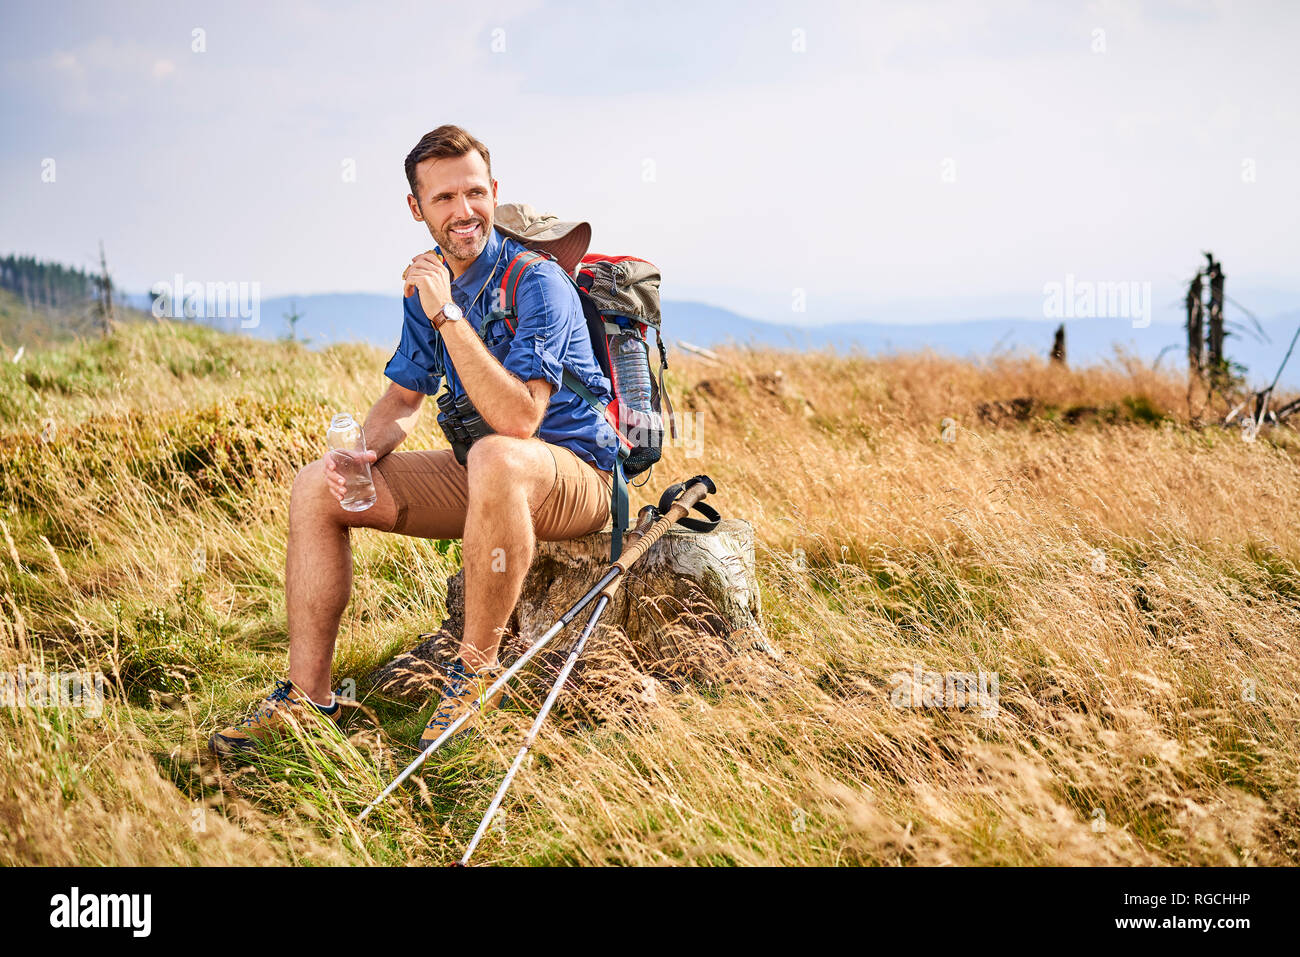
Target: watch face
[[452, 312]]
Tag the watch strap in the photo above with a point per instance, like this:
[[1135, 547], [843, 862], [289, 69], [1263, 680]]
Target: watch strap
[[439, 318]]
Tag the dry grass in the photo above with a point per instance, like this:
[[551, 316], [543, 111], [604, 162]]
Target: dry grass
[[1131, 581]]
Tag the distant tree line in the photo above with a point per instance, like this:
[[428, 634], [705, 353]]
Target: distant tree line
[[47, 285]]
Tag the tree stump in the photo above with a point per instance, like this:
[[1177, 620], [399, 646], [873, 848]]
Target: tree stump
[[689, 610]]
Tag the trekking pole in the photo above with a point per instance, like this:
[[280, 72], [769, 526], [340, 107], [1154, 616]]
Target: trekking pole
[[541, 717], [492, 689], [643, 538], [705, 486]]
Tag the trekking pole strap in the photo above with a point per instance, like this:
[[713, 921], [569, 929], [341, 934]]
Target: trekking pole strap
[[674, 492], [682, 498]]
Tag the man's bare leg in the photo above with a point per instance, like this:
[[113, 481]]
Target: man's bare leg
[[318, 572], [508, 479]]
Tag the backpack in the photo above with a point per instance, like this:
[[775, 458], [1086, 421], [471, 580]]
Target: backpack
[[620, 301]]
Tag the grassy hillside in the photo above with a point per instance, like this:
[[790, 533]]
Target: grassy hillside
[[1132, 581], [23, 325]]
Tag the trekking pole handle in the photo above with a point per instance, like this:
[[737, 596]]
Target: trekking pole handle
[[645, 520], [695, 493]]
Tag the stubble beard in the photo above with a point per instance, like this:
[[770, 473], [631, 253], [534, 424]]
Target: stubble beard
[[463, 250]]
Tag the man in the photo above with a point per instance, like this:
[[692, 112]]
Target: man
[[545, 473]]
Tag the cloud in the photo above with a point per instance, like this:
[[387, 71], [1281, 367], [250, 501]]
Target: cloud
[[772, 169], [65, 62]]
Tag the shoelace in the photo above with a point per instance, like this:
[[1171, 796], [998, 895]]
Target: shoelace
[[281, 693], [459, 682]]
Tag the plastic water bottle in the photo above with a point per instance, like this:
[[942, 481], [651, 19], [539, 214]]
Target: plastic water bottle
[[631, 372], [639, 422], [630, 357], [346, 442]]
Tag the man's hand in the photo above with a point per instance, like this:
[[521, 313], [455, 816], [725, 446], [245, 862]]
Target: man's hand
[[428, 275], [335, 480]]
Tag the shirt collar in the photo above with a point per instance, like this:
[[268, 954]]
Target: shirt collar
[[467, 285]]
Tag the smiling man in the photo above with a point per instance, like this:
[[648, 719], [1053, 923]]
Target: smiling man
[[544, 472]]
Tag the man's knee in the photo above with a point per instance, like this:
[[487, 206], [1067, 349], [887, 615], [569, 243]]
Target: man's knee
[[309, 483], [311, 493], [309, 490], [500, 458], [501, 467], [312, 496]]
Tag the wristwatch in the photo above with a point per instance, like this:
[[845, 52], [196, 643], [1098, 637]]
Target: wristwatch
[[448, 313]]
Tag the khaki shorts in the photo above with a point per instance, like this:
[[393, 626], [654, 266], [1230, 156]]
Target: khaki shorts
[[431, 492]]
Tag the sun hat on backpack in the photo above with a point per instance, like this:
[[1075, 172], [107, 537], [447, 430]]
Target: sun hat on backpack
[[566, 243]]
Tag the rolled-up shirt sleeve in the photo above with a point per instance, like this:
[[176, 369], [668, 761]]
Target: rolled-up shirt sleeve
[[547, 307], [415, 365]]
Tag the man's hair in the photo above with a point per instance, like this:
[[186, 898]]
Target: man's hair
[[445, 142]]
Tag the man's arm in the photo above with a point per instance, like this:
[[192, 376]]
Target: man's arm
[[509, 405], [392, 419]]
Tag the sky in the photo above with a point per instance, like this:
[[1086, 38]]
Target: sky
[[800, 162]]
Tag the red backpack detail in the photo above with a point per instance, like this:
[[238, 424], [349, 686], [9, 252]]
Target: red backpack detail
[[620, 302]]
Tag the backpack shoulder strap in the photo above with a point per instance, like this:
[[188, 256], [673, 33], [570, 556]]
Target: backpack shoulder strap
[[510, 283], [509, 290]]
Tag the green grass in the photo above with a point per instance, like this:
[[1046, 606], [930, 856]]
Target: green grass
[[144, 535]]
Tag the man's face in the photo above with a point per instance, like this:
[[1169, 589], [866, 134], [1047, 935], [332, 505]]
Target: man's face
[[456, 201]]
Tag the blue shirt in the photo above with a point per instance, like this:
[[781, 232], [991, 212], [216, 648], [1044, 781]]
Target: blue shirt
[[550, 336]]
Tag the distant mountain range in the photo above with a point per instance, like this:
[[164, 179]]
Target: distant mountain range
[[376, 319]]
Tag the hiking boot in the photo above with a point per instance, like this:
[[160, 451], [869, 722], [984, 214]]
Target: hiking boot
[[268, 720], [460, 692]]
